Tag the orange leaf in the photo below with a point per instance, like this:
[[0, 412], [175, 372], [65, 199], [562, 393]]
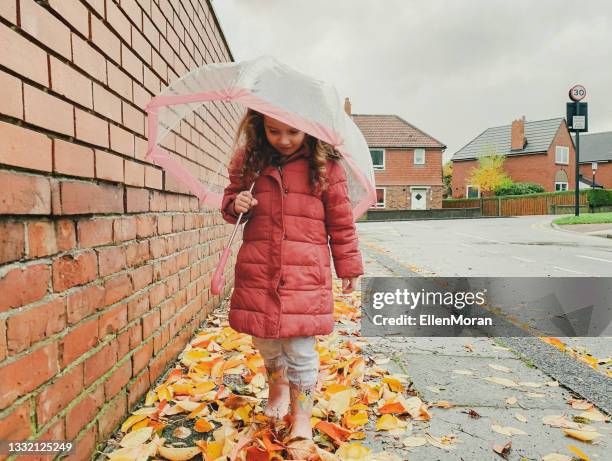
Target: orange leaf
[[393, 407], [254, 453], [203, 425], [270, 446], [337, 433]]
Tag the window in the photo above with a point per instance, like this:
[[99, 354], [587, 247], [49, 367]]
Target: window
[[560, 186], [419, 156], [381, 193], [472, 191], [562, 155], [378, 158]]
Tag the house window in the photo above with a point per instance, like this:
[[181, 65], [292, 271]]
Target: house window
[[562, 155], [378, 158], [560, 186], [472, 191], [381, 195], [419, 156]]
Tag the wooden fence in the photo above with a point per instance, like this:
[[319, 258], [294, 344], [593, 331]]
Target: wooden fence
[[517, 205]]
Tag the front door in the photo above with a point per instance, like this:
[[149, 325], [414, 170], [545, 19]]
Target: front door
[[418, 200]]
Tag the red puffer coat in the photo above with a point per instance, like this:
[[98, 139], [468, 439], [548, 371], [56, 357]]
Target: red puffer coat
[[283, 283]]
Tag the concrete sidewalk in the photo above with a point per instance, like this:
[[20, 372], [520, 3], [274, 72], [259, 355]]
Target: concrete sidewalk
[[598, 230]]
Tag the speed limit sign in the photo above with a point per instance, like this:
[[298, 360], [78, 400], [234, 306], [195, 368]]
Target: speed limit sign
[[577, 93]]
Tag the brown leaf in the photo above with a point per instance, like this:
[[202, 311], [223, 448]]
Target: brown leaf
[[503, 450], [472, 414]]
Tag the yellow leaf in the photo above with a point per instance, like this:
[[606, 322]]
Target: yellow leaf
[[353, 420], [578, 452], [213, 450], [443, 404], [583, 436], [340, 401], [203, 388], [594, 415], [414, 441], [556, 457], [242, 413], [140, 424], [388, 422], [131, 421], [511, 400], [178, 454], [445, 442], [353, 452], [136, 438], [507, 430], [520, 417], [203, 425], [150, 399], [394, 384]]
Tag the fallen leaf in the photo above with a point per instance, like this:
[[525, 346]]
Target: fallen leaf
[[337, 433], [552, 383], [556, 457], [463, 372], [181, 432], [469, 347], [511, 400], [434, 389], [445, 442], [354, 451], [472, 414], [500, 368], [520, 417], [131, 421], [582, 435], [578, 452], [501, 381], [443, 404], [580, 404], [507, 430], [414, 441], [393, 384], [530, 384], [179, 454], [388, 422], [136, 438], [594, 415], [503, 450], [340, 401], [203, 425], [535, 395]]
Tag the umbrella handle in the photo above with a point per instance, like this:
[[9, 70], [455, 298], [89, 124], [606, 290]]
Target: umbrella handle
[[218, 281]]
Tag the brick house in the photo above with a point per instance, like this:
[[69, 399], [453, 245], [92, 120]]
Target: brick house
[[105, 263], [539, 152], [407, 162], [596, 147]]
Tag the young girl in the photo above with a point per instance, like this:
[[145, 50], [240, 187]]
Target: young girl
[[299, 208]]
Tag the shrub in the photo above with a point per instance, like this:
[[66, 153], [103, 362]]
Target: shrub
[[519, 188], [599, 197]]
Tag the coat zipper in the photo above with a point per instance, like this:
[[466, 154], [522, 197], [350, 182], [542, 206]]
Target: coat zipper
[[282, 191]]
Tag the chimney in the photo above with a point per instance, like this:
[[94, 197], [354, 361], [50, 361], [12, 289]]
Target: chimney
[[518, 140], [347, 106]]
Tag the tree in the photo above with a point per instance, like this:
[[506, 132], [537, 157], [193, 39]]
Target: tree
[[447, 177], [489, 174]]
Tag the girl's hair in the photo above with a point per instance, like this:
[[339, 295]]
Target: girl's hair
[[259, 153]]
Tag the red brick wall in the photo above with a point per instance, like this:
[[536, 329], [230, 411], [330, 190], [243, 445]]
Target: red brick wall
[[105, 263], [401, 170], [603, 175], [536, 168]]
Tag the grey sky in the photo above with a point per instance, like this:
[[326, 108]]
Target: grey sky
[[452, 68]]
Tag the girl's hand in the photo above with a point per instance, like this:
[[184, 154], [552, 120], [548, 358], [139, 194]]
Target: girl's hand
[[244, 202], [349, 284]]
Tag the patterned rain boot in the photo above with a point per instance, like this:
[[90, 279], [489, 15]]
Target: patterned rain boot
[[300, 444], [278, 393]]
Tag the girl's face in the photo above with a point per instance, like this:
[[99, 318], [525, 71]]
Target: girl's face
[[284, 138]]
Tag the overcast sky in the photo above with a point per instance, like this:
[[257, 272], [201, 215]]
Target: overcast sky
[[451, 68]]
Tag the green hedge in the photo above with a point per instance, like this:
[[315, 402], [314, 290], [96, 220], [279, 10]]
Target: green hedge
[[519, 188], [599, 197]]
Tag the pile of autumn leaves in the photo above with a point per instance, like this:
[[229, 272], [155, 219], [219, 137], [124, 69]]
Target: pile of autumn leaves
[[220, 421]]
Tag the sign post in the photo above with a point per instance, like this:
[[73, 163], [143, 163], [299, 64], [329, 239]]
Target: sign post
[[577, 121]]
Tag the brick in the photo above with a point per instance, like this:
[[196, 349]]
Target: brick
[[142, 96], [150, 323], [112, 321], [146, 226], [26, 374], [41, 239], [140, 148], [118, 21], [8, 10], [124, 229], [54, 432], [106, 103], [117, 288], [105, 39], [120, 377], [119, 81], [11, 95], [158, 201], [142, 277], [82, 198], [151, 81], [65, 234], [71, 83], [73, 159], [111, 260], [134, 174], [57, 395], [88, 59], [153, 177], [74, 12], [84, 412], [12, 241], [141, 357], [131, 63], [24, 194], [91, 128], [84, 446], [16, 425], [137, 253], [109, 166], [83, 303], [100, 362], [37, 22], [133, 118], [77, 342], [47, 111], [140, 46], [23, 285], [24, 148], [112, 415], [164, 224], [29, 327], [121, 140], [73, 270], [138, 388], [95, 232], [23, 56], [137, 200], [157, 294]]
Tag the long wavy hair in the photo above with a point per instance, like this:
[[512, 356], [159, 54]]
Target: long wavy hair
[[259, 153]]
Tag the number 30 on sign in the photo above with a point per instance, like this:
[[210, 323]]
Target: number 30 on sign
[[577, 93]]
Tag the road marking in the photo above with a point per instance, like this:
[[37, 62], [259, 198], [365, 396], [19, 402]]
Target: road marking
[[524, 259], [567, 270], [594, 258]]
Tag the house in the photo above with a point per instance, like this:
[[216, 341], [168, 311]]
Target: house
[[407, 162], [539, 152], [596, 148]]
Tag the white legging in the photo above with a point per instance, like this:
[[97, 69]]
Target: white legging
[[298, 354]]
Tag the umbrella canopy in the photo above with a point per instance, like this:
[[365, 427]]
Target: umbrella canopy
[[274, 89]]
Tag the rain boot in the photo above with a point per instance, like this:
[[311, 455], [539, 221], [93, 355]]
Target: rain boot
[[278, 393], [300, 444]]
